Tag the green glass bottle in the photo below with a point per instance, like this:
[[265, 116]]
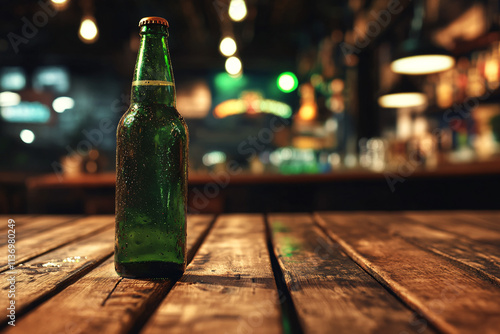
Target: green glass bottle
[[151, 167]]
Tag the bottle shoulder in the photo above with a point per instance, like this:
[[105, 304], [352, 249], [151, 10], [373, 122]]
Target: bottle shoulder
[[152, 115]]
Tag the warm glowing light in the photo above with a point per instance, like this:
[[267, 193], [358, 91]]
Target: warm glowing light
[[233, 65], [237, 10], [213, 158], [334, 159], [491, 70], [239, 106], [402, 100], [424, 64], [307, 112], [287, 82], [60, 4], [27, 136], [403, 125], [63, 103], [195, 101], [229, 108], [331, 125], [88, 30], [350, 160], [8, 99], [337, 85], [227, 46]]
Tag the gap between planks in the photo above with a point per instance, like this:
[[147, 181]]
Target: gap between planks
[[422, 284], [289, 315], [101, 301], [228, 288], [41, 278], [331, 292]]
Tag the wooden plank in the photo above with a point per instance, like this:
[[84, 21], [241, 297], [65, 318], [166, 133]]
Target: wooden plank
[[19, 219], [32, 227], [331, 293], [44, 276], [484, 258], [35, 245], [485, 219], [459, 225], [489, 215], [229, 287], [492, 218], [453, 299], [103, 302], [198, 227]]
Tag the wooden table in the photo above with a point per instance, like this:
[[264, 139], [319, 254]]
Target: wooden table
[[364, 272]]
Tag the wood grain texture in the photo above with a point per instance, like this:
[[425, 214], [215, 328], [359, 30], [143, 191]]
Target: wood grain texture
[[33, 245], [482, 257], [228, 288], [43, 276], [459, 225], [331, 293], [483, 217], [453, 299], [19, 219], [101, 301], [27, 228], [492, 217]]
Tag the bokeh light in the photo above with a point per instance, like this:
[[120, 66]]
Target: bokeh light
[[233, 65], [287, 82], [27, 136], [227, 46], [237, 10], [88, 30]]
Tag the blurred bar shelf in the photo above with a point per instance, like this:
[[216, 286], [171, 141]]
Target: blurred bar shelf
[[472, 185], [108, 179]]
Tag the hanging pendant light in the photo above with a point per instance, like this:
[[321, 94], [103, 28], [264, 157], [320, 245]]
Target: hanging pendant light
[[418, 59], [402, 100], [88, 31], [403, 95], [417, 56]]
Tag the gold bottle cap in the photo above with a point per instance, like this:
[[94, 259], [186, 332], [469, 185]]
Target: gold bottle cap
[[153, 20]]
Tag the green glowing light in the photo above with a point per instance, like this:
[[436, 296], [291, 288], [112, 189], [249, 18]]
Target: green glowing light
[[225, 82], [287, 82]]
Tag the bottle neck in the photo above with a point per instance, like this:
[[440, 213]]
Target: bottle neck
[[153, 81]]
